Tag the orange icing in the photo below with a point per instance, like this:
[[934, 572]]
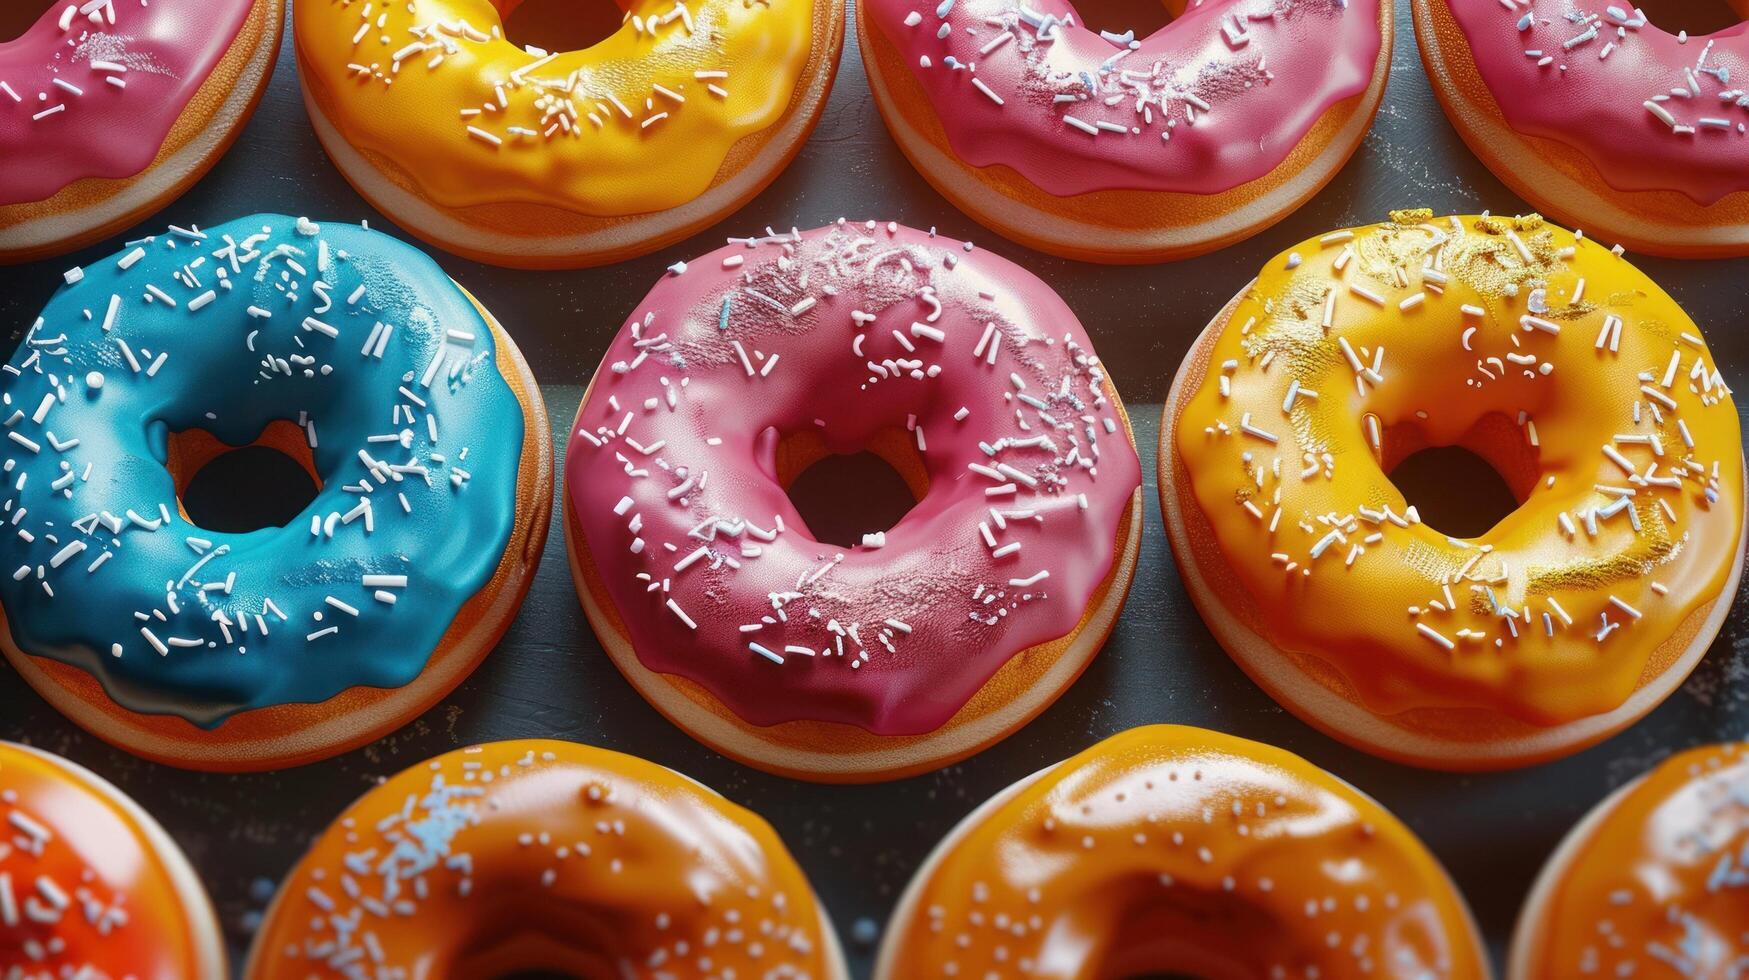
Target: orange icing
[[1657, 888], [83, 886], [1175, 849], [640, 122], [1546, 353], [545, 855]]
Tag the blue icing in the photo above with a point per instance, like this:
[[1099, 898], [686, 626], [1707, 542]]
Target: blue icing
[[274, 318]]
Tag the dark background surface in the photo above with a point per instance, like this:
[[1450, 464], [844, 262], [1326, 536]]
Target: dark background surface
[[860, 844]]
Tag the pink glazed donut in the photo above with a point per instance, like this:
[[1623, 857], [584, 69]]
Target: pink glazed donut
[[1102, 146], [1601, 119], [923, 643], [109, 109]]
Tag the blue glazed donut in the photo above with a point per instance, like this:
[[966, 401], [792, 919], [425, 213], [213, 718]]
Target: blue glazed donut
[[348, 350]]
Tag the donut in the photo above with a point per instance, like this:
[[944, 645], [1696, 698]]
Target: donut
[[1570, 373], [1111, 148], [111, 109], [923, 643], [1177, 851], [563, 159], [1651, 882], [344, 349], [1601, 119], [532, 855], [90, 885]]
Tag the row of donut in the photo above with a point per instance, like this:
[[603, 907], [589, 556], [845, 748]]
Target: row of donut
[[1548, 354], [1161, 848], [1093, 144]]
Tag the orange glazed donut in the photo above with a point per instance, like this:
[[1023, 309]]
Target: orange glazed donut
[[90, 885], [569, 158], [1579, 380], [109, 109], [1601, 118], [1173, 850], [1107, 147], [533, 855], [1651, 883]]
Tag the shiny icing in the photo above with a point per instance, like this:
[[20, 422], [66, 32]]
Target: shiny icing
[[1657, 888], [845, 332], [1216, 98], [645, 871], [357, 338], [1651, 109], [1167, 848], [640, 122], [1631, 509], [93, 88], [84, 890]]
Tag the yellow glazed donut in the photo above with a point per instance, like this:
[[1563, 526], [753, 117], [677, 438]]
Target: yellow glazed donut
[[1172, 850], [532, 855], [1651, 883], [1569, 371], [569, 158]]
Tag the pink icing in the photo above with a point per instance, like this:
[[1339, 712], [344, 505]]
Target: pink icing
[[1597, 102], [105, 128], [671, 474], [1234, 84]]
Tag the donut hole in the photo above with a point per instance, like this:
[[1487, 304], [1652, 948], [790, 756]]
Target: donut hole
[[518, 942], [237, 489], [18, 16], [1697, 17], [1466, 488], [1117, 16], [1186, 939], [559, 25], [842, 496]]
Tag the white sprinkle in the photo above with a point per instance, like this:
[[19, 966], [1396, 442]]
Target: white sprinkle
[[1435, 636]]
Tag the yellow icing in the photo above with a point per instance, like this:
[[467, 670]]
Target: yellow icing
[[623, 127], [1371, 603]]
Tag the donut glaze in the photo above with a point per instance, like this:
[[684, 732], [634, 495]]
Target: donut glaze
[[1217, 98], [1172, 849], [385, 368], [841, 334], [541, 855], [1650, 109], [1651, 885], [90, 886], [1580, 380], [95, 94], [642, 121]]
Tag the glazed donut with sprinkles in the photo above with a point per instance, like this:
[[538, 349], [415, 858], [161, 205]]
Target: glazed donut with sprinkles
[[90, 885], [535, 856], [921, 643], [555, 159], [1601, 118], [110, 109], [1651, 883], [1566, 369], [1175, 851], [344, 349], [1109, 147]]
